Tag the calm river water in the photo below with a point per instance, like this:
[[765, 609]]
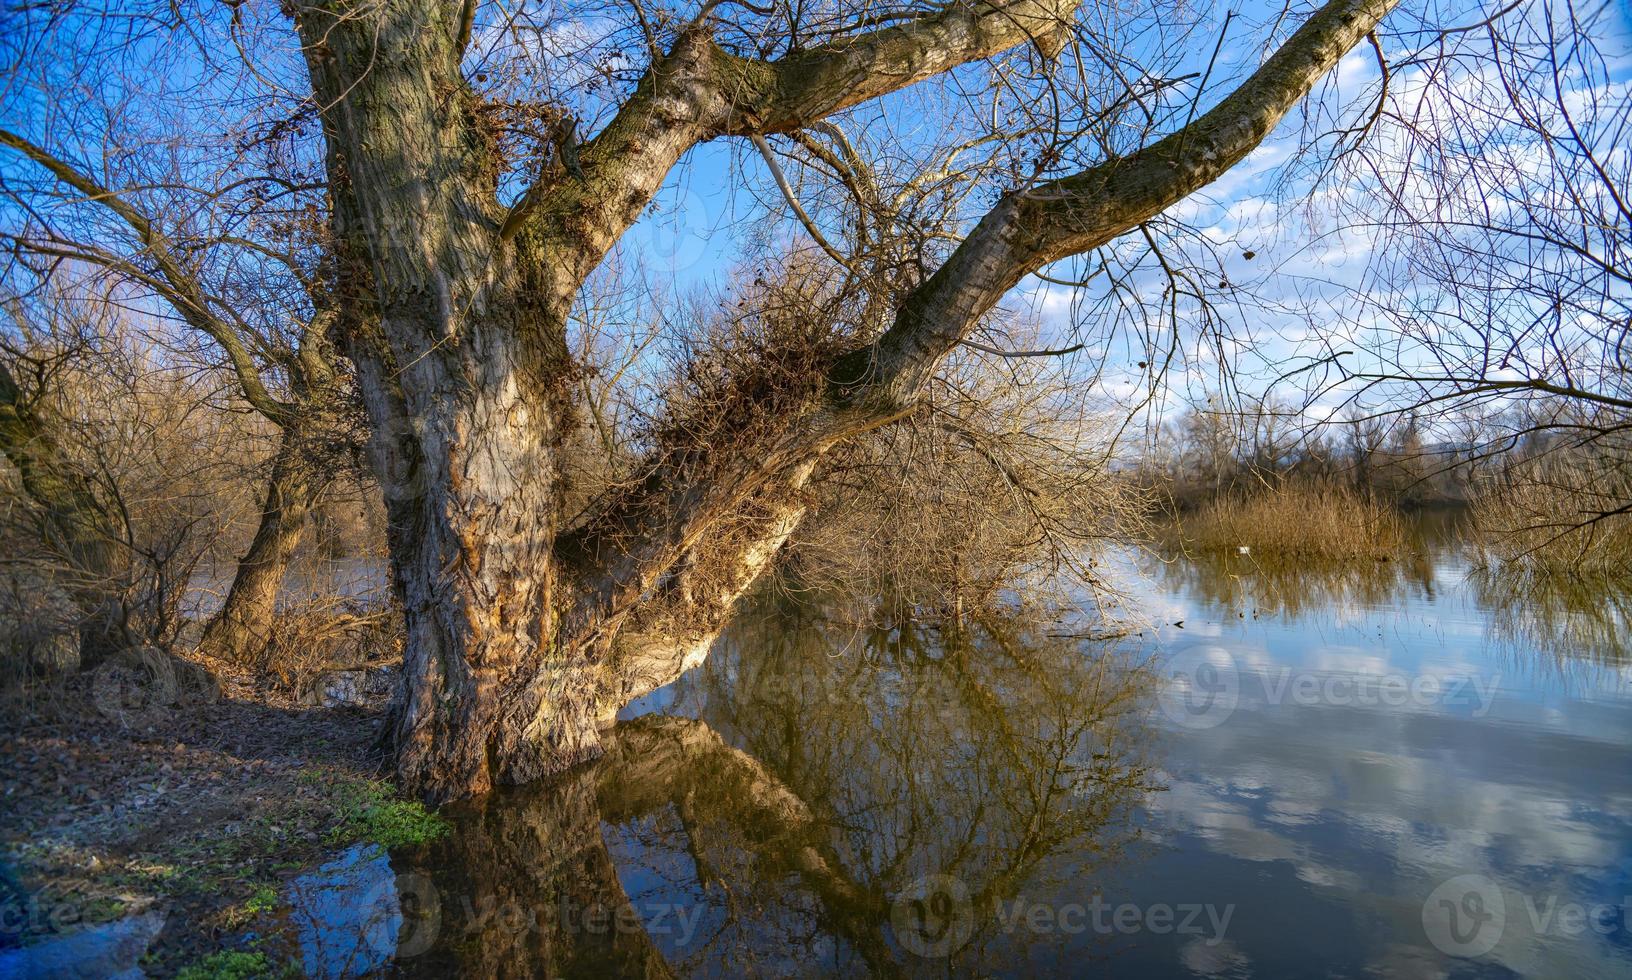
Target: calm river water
[[1401, 769]]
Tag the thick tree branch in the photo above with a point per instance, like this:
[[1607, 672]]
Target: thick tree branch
[[792, 198], [800, 89], [467, 21], [699, 91], [1029, 229]]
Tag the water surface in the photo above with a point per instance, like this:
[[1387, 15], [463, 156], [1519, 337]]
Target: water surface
[[1391, 769]]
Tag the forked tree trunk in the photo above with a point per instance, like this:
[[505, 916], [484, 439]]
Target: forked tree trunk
[[514, 652], [242, 627]]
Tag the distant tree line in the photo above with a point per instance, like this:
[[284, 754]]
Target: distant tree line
[[1397, 456]]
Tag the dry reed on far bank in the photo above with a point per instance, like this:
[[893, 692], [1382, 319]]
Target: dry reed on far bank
[[1303, 519]]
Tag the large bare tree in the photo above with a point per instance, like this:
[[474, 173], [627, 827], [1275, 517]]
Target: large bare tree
[[524, 635], [481, 162]]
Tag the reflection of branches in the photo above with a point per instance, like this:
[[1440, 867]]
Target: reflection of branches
[[1572, 618], [528, 888], [979, 753], [1295, 587], [660, 760], [827, 813]]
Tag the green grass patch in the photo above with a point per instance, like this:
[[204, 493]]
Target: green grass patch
[[228, 965], [262, 900], [371, 811]]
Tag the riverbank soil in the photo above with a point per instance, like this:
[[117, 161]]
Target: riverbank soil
[[185, 820]]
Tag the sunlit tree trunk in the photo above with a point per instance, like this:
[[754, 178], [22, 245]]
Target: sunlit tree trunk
[[242, 627], [514, 647], [461, 382]]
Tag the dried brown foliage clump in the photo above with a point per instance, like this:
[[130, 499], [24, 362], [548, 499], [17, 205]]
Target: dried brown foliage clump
[[1312, 519], [739, 372]]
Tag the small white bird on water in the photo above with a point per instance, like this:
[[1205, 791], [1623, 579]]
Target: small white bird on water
[[1242, 549]]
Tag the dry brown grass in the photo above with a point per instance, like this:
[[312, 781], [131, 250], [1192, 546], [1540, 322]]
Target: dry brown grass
[[1557, 514], [1303, 519]]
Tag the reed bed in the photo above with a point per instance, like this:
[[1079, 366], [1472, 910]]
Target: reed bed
[[1303, 519]]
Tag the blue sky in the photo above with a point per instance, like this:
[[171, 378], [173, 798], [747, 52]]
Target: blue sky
[[1302, 261], [1291, 291]]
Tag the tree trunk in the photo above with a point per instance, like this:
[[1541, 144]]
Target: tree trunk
[[491, 694], [242, 627], [464, 381], [513, 654]]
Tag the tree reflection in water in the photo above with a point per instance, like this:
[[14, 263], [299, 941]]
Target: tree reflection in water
[[1572, 618], [783, 816], [1292, 587]]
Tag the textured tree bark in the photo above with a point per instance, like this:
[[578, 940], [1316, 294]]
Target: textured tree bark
[[242, 627], [464, 383], [519, 644]]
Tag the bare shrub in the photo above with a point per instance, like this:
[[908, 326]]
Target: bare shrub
[[1560, 511], [143, 470], [733, 373], [328, 636], [989, 492]]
